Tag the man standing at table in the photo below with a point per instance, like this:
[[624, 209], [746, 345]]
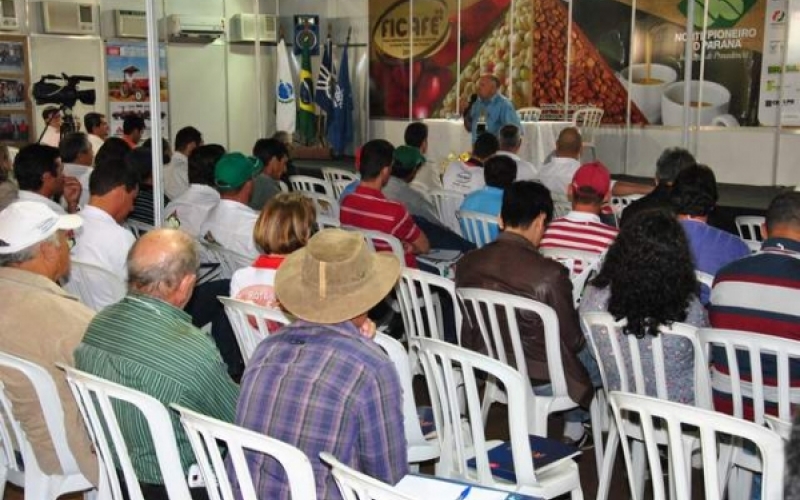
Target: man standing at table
[[491, 110]]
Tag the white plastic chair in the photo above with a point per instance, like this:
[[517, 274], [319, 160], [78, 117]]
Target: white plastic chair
[[688, 428], [138, 228], [447, 204], [475, 227], [206, 434], [28, 474], [635, 379], [529, 114], [749, 228], [782, 427], [588, 262], [620, 203], [228, 261], [487, 310], [420, 305], [450, 370], [380, 241], [97, 399], [325, 206], [587, 120], [95, 286], [325, 222], [737, 347], [283, 187], [354, 485], [252, 323], [419, 448], [339, 178], [308, 184], [561, 204]]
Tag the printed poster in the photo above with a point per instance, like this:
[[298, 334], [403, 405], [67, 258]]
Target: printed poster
[[129, 87]]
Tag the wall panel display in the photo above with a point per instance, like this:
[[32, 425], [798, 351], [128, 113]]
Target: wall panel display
[[128, 85], [427, 55], [15, 103]]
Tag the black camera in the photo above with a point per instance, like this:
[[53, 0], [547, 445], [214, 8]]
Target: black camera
[[66, 94]]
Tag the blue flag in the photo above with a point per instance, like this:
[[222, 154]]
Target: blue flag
[[340, 125], [326, 81]]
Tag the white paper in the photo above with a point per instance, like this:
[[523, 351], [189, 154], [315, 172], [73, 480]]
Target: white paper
[[424, 487]]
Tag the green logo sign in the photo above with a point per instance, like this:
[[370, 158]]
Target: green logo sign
[[721, 13]]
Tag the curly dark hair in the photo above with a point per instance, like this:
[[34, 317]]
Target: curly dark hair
[[650, 271]]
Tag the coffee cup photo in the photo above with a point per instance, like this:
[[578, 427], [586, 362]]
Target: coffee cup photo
[[711, 103], [646, 89]]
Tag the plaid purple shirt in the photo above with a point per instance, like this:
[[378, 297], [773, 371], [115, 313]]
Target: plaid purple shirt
[[324, 388]]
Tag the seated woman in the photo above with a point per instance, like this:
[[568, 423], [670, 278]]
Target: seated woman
[[648, 278], [285, 224]]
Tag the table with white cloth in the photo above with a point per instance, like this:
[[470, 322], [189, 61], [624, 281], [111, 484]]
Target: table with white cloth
[[448, 137]]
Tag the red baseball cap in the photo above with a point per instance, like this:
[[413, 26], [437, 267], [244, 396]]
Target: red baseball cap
[[592, 175]]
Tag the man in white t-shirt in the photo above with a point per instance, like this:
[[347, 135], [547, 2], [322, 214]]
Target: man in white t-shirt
[[467, 176], [40, 176], [102, 241], [97, 127], [176, 173], [78, 157], [231, 223], [557, 174], [52, 120], [510, 140], [190, 210]]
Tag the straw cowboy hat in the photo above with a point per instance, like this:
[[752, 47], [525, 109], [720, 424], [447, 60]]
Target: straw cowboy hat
[[334, 278]]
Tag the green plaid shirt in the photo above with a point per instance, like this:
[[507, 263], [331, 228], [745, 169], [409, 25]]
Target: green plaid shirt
[[151, 346]]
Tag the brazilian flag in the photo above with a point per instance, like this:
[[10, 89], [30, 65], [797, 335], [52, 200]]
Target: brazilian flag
[[306, 119]]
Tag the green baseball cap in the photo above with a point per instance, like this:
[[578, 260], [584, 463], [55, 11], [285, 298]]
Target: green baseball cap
[[234, 169], [408, 156]]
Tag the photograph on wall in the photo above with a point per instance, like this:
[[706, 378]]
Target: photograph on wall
[[15, 101], [127, 71], [600, 56]]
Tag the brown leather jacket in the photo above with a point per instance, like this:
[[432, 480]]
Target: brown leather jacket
[[511, 264]]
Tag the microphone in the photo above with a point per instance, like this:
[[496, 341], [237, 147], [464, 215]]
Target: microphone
[[473, 98], [466, 113]]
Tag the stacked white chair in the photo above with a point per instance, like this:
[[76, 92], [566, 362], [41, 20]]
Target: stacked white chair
[[590, 263], [447, 204], [37, 484], [206, 434], [638, 376], [95, 286], [450, 370], [354, 485], [419, 448], [339, 178], [308, 184], [252, 323], [97, 399], [749, 229], [477, 227], [587, 120], [529, 114], [687, 430]]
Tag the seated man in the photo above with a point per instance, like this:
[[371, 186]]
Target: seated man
[[41, 323], [274, 156], [146, 342], [512, 264], [581, 228], [321, 383], [40, 176], [428, 177], [500, 172], [760, 293], [77, 156], [190, 210], [176, 172], [102, 241], [231, 223], [556, 174], [466, 176], [693, 197], [510, 142], [368, 208], [140, 160]]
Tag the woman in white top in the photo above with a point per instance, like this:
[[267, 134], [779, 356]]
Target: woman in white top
[[285, 224]]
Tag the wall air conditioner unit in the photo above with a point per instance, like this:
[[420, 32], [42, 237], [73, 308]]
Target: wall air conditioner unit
[[8, 16], [243, 28], [199, 29], [130, 23], [67, 18]]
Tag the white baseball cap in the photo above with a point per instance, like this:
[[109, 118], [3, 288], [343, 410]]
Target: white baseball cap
[[25, 223]]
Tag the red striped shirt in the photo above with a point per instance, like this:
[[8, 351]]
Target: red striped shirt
[[367, 208], [579, 231]]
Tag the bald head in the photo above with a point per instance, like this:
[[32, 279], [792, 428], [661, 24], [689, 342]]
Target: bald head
[[162, 264], [569, 143]]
